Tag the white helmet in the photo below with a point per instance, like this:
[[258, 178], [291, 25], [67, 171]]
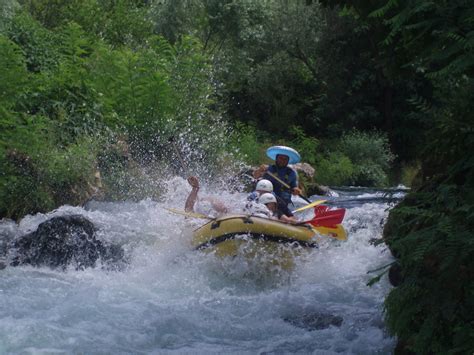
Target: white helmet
[[264, 185], [267, 198]]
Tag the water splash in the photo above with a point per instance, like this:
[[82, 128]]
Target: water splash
[[174, 299]]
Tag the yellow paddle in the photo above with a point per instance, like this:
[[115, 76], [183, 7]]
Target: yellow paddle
[[338, 232], [312, 204], [188, 214], [284, 184], [278, 179]]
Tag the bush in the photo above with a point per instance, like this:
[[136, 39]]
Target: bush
[[68, 172], [14, 80], [431, 234], [38, 44], [248, 144], [335, 170], [357, 158], [37, 175], [307, 146], [363, 147], [71, 75], [410, 174], [117, 22], [370, 155]]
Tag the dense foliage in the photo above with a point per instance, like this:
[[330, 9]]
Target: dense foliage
[[358, 159], [431, 231], [127, 90], [78, 99], [124, 93], [431, 234]]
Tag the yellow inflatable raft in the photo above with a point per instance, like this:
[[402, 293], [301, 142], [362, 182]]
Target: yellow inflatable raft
[[254, 237]]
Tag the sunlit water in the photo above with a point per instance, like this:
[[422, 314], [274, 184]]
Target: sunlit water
[[172, 299]]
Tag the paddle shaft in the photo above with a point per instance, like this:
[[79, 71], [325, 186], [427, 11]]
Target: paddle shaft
[[284, 184], [312, 204], [189, 214], [180, 157]]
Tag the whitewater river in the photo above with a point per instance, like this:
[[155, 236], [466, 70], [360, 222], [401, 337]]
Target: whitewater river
[[172, 299]]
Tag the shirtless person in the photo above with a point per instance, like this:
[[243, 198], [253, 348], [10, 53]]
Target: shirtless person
[[193, 197]]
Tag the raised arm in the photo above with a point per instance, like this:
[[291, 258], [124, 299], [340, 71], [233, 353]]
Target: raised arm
[[191, 200]]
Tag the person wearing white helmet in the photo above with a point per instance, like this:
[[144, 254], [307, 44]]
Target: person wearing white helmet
[[262, 186], [270, 201], [266, 186], [264, 206]]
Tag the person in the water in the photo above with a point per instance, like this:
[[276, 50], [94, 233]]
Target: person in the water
[[218, 206]]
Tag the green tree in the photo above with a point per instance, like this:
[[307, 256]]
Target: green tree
[[118, 22], [430, 232]]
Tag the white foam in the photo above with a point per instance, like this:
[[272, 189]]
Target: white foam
[[174, 299]]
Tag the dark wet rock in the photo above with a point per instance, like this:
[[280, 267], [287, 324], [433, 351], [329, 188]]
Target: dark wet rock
[[395, 275], [304, 170], [316, 189], [63, 241], [306, 180], [314, 320]]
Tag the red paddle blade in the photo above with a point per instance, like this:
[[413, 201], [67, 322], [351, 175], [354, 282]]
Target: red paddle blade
[[320, 209], [327, 217], [334, 213], [327, 221]]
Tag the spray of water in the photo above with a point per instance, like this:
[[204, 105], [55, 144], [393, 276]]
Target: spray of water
[[172, 298]]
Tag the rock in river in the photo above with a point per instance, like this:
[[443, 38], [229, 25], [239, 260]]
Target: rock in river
[[314, 320], [65, 240]]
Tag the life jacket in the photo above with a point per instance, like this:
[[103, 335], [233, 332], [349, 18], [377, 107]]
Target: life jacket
[[285, 174], [257, 209]]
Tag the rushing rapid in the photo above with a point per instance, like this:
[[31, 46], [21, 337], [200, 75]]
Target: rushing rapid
[[173, 299]]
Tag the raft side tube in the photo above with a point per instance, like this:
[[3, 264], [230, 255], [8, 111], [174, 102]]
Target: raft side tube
[[257, 228]]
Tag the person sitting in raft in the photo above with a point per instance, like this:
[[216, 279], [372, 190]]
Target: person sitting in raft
[[218, 206], [262, 186], [271, 208], [283, 178], [266, 186]]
